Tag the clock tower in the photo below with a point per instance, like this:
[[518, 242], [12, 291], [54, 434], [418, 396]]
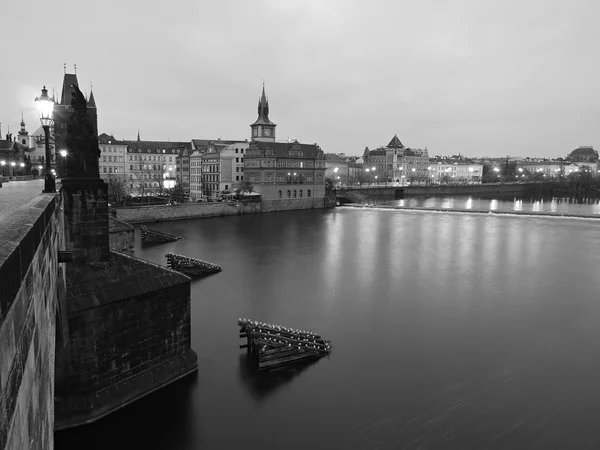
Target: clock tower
[[263, 129]]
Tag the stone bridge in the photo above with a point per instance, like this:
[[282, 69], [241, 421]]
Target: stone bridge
[[64, 294]]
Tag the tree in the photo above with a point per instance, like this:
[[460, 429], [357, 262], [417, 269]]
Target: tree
[[177, 194], [583, 179], [117, 190], [246, 186]]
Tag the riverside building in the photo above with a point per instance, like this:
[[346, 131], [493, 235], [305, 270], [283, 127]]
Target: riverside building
[[281, 171]]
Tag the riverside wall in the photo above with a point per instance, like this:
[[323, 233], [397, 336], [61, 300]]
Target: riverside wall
[[158, 213]]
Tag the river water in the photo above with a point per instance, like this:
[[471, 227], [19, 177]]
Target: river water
[[449, 331]]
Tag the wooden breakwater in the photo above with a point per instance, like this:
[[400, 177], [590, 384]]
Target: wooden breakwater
[[150, 236], [191, 267], [274, 346]]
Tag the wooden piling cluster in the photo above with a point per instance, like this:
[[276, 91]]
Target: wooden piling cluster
[[190, 266], [154, 237], [274, 346]]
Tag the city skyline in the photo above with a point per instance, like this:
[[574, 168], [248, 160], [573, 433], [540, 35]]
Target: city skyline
[[493, 79]]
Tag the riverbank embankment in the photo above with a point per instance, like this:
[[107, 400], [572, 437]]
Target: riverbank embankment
[[473, 211], [160, 213]]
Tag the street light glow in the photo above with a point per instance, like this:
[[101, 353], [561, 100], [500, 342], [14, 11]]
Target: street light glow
[[63, 153]]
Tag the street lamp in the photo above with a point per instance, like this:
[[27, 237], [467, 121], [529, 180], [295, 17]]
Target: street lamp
[[63, 153], [21, 165], [12, 165], [3, 163], [45, 109]]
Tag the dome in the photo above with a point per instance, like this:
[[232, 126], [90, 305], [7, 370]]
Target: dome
[[584, 151]]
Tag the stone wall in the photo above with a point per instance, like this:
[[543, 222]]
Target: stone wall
[[121, 237], [140, 214], [29, 271], [290, 204]]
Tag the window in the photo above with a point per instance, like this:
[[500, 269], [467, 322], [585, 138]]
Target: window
[[289, 193], [236, 150], [308, 193], [294, 193], [130, 166], [279, 163], [104, 169], [237, 169], [110, 170], [237, 160], [279, 178], [300, 193], [242, 151], [237, 178]]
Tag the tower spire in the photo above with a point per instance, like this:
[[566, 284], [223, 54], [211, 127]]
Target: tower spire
[[138, 139]]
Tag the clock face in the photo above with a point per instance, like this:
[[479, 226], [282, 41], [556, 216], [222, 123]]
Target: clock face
[[267, 132]]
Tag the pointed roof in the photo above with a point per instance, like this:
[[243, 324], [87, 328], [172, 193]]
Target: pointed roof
[[395, 143], [263, 110], [69, 80], [91, 101]]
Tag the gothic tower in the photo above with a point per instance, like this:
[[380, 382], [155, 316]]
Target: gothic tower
[[63, 110], [263, 129]]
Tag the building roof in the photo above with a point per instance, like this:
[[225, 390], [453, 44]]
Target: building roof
[[108, 139], [157, 147], [282, 149], [332, 157], [91, 100], [395, 143], [67, 88], [263, 110], [584, 151]]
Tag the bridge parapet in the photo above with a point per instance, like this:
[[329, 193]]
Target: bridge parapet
[[31, 226]]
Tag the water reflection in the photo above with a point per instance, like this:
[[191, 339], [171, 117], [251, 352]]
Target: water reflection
[[261, 384], [494, 205], [469, 203]]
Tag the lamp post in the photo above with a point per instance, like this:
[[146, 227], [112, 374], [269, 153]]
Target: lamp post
[[45, 109], [22, 166], [63, 153], [3, 163], [12, 168], [40, 170]]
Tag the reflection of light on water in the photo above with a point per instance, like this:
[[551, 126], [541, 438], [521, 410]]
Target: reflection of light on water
[[553, 204], [469, 203], [401, 202], [448, 203], [518, 206], [494, 205], [536, 206], [430, 203]]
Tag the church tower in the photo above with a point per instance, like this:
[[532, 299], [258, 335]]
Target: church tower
[[24, 138], [263, 129]]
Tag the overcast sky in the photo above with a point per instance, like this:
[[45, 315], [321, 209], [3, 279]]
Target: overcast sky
[[478, 77]]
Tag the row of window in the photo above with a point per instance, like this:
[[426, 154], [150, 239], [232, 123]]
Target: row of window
[[294, 193], [110, 170], [112, 159], [149, 158]]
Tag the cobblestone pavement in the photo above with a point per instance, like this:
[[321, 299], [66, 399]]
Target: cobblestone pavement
[[16, 195]]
